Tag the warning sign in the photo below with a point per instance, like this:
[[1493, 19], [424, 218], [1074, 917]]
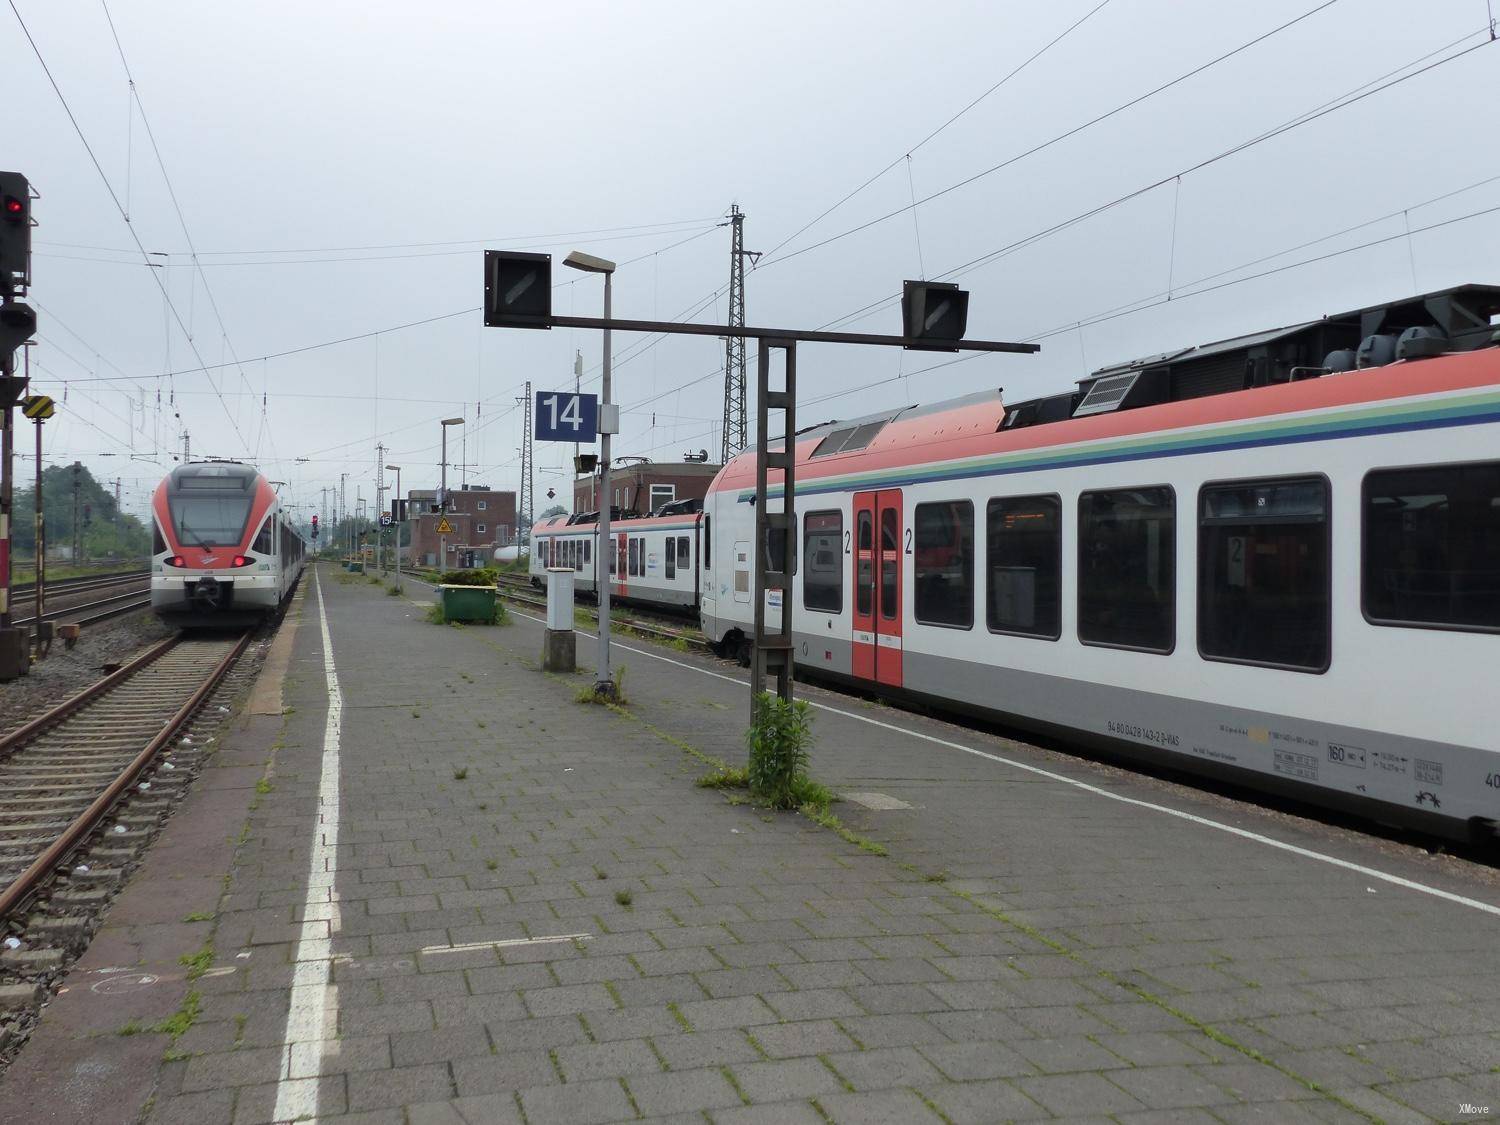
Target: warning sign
[[444, 527]]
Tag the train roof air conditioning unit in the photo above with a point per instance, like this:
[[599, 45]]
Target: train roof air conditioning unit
[[1145, 386]]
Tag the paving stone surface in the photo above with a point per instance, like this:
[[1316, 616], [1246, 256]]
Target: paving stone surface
[[532, 914]]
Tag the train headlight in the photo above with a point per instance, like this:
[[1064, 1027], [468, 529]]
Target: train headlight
[[175, 560], [243, 560]]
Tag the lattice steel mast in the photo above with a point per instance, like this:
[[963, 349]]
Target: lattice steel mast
[[525, 513], [735, 422]]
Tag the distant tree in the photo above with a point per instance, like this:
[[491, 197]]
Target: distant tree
[[108, 530], [555, 510]]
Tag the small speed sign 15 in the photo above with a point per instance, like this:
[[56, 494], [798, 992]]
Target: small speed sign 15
[[565, 416]]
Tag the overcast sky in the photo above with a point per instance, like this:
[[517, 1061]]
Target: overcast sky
[[340, 166]]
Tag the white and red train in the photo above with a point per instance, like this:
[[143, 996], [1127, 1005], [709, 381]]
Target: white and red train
[[225, 550], [1275, 559]]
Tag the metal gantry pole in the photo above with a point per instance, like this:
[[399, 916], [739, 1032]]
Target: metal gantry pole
[[773, 652], [604, 682]]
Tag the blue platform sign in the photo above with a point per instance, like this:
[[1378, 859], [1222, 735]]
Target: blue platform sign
[[565, 416]]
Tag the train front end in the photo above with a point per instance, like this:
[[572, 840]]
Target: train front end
[[214, 557]]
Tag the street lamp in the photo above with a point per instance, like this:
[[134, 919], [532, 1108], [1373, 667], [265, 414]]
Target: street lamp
[[604, 683], [443, 494], [396, 508]]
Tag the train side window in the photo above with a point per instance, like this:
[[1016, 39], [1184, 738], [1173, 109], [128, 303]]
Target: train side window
[[262, 544], [890, 563], [1023, 558], [823, 543], [635, 557], [1432, 547], [158, 540], [1127, 584], [588, 551], [684, 555], [943, 564], [707, 540], [671, 552], [1263, 573]]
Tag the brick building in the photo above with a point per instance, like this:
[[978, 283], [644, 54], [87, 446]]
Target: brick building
[[482, 520], [640, 487]]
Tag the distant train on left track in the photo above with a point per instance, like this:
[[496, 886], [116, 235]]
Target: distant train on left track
[[225, 549]]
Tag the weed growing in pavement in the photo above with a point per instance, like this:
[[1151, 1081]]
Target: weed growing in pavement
[[176, 1025], [263, 786], [779, 738], [491, 864], [199, 962], [199, 916], [460, 773], [435, 614], [617, 698], [725, 777], [937, 877], [393, 590], [599, 873], [826, 819], [415, 714], [624, 898]]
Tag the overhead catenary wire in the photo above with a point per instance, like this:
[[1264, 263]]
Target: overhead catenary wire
[[930, 136], [145, 257]]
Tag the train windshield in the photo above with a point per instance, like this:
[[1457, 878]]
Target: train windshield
[[210, 521]]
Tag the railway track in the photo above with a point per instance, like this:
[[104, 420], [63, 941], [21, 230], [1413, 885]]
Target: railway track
[[120, 601], [519, 589], [64, 773]]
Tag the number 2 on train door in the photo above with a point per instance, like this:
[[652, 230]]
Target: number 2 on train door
[[876, 559]]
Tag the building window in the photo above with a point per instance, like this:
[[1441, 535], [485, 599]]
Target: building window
[[479, 527], [1023, 556], [823, 543], [662, 494], [483, 505], [943, 562], [1432, 546], [671, 557], [1263, 574], [1127, 589]]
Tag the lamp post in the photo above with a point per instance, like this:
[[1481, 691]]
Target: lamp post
[[604, 683], [397, 523], [443, 493]]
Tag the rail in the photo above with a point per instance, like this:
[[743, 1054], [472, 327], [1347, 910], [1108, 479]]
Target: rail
[[114, 729]]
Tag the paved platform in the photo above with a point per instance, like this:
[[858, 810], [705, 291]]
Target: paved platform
[[467, 897]]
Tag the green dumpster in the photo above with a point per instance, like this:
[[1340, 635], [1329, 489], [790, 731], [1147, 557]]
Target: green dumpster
[[468, 603]]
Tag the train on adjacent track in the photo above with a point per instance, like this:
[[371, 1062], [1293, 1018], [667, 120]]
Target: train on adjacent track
[[1274, 559], [226, 551]]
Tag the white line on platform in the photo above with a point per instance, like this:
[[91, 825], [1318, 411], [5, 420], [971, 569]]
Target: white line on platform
[[312, 1016], [471, 946], [1193, 818]]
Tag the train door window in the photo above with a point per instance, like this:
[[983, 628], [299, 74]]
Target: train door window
[[262, 544], [1263, 573], [1127, 587], [684, 555], [588, 551], [580, 553], [671, 557], [890, 564], [620, 558], [1432, 547], [943, 563], [864, 582], [823, 543], [635, 557], [1023, 558]]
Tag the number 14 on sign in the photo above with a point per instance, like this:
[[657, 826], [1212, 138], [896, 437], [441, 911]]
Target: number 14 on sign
[[565, 416]]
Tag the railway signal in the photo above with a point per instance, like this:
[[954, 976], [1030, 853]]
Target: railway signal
[[17, 325], [518, 294], [15, 233]]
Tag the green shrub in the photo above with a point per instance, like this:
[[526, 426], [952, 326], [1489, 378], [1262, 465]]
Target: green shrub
[[779, 739], [480, 576]]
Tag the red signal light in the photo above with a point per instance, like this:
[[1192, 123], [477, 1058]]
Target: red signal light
[[14, 206]]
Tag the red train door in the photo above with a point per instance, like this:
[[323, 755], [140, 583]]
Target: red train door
[[877, 586]]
